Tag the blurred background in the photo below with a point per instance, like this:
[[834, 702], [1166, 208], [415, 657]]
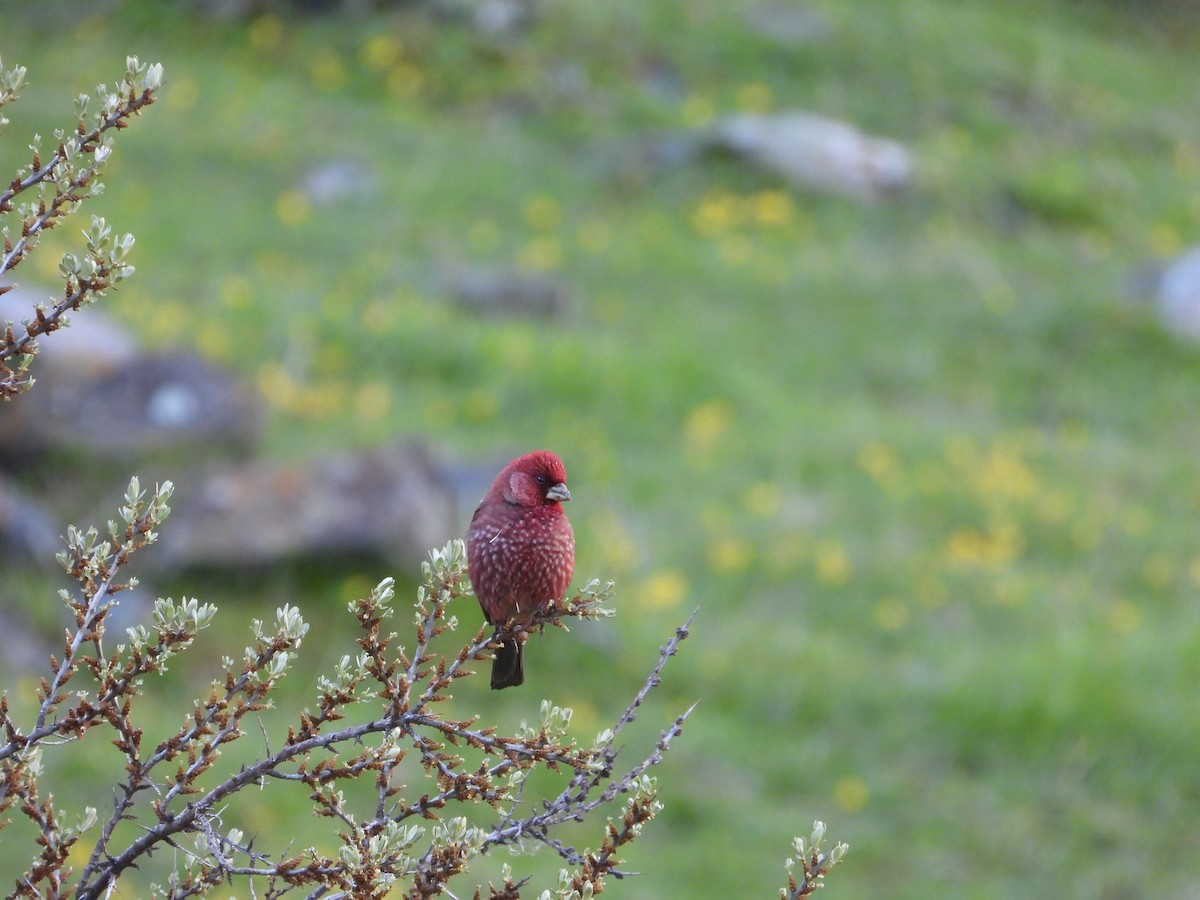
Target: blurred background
[[870, 329]]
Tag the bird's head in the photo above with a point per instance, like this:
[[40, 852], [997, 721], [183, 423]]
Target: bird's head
[[535, 479]]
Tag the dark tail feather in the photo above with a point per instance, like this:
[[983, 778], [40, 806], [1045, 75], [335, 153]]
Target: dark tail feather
[[508, 669]]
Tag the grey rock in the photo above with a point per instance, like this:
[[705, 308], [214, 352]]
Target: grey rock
[[816, 152], [394, 503], [504, 293]]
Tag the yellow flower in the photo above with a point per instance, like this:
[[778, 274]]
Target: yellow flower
[[772, 208], [706, 424], [1158, 571], [663, 590], [327, 71], [891, 613], [380, 52], [541, 254], [594, 236], [762, 499], [542, 212], [698, 110], [236, 292], [404, 80], [1003, 473], [1164, 240], [729, 554], [754, 98], [833, 563], [878, 461], [181, 94], [266, 32], [480, 405], [372, 401], [717, 212], [851, 793], [1124, 616], [292, 208]]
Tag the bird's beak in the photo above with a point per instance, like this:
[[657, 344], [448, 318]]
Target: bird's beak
[[558, 492]]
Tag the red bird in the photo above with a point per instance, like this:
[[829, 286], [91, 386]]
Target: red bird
[[520, 551]]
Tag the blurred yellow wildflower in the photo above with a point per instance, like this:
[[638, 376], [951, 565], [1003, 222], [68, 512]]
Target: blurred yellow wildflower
[[763, 499], [1003, 473], [832, 563], [716, 213], [787, 551], [480, 405], [754, 97], [931, 592], [1054, 505], [542, 212], [891, 613], [727, 554], [212, 340], [266, 32], [1073, 434], [706, 424], [1124, 616], [954, 141], [182, 94], [372, 401], [404, 80], [663, 590], [851, 793], [992, 548], [1158, 571], [594, 235], [619, 551], [1136, 521], [378, 316], [380, 52], [353, 587], [235, 292], [327, 71], [697, 110], [877, 460], [292, 208], [276, 385], [1164, 240], [318, 402], [541, 254], [772, 208]]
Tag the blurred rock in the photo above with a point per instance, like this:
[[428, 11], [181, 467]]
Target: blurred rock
[[331, 180], [786, 23], [144, 404], [502, 293], [91, 343], [98, 393], [23, 648], [1174, 288], [815, 152], [499, 18], [394, 503], [28, 534]]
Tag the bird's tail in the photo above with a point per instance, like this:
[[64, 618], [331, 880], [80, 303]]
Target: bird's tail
[[508, 669]]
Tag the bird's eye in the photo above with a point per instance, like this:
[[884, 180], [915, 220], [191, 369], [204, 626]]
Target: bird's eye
[[541, 479]]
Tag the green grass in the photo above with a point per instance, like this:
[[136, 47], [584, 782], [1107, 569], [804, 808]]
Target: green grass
[[927, 470]]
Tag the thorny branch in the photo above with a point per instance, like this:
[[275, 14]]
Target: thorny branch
[[59, 184], [399, 838]]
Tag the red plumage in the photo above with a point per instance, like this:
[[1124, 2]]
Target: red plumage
[[520, 551]]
